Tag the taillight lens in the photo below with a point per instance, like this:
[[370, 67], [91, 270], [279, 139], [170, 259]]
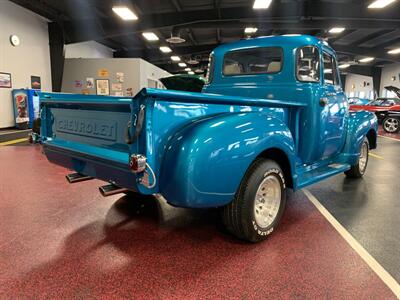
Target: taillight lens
[[137, 163]]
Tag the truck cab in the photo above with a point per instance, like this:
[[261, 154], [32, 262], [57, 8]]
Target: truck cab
[[271, 117], [290, 68]]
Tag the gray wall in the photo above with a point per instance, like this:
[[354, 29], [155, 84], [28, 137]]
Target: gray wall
[[90, 49], [358, 82], [136, 73], [31, 57]]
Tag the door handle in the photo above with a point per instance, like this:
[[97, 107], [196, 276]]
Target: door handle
[[323, 101]]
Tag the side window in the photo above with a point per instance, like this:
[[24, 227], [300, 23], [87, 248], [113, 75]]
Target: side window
[[330, 73], [308, 64]]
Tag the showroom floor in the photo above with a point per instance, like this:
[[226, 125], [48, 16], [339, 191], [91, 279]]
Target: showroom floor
[[66, 241]]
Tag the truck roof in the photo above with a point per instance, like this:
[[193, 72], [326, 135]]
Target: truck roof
[[289, 40]]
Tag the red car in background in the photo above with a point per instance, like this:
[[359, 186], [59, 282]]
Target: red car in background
[[381, 106]]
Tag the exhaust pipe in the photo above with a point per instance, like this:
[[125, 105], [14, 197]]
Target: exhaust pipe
[[111, 189], [76, 177]]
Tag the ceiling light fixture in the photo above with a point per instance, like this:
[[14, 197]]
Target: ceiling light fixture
[[261, 4], [175, 40], [175, 58], [380, 3], [191, 73], [337, 30], [250, 30], [125, 13], [182, 64], [394, 51], [188, 69], [367, 59], [344, 66], [150, 36], [165, 49], [192, 61]]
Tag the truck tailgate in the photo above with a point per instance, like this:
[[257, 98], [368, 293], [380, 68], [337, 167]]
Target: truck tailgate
[[87, 134]]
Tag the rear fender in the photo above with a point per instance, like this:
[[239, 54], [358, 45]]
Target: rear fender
[[205, 161], [361, 124]]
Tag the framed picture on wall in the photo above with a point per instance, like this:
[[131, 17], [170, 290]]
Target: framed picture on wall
[[36, 82], [5, 80], [103, 87]]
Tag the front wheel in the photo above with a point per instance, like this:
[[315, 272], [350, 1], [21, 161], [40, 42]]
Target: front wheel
[[391, 125], [259, 203], [358, 170]]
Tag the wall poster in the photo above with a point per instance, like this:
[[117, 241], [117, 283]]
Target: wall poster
[[103, 87], [78, 83], [116, 87], [120, 77], [36, 82], [89, 83], [5, 80]]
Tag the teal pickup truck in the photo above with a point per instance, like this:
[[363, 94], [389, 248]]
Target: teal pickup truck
[[272, 116]]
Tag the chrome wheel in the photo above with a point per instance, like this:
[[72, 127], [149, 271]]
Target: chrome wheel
[[267, 201], [391, 125], [363, 160]]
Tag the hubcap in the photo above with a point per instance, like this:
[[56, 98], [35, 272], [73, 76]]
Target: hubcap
[[391, 125], [363, 158], [267, 201]]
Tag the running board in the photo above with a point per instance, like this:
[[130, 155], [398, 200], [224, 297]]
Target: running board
[[76, 177], [315, 175], [111, 189]]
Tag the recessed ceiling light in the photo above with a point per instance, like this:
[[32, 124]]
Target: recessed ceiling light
[[262, 4], [165, 49], [175, 58], [344, 66], [337, 30], [380, 3], [182, 64], [394, 51], [188, 69], [367, 59], [250, 30], [150, 36], [191, 73], [125, 13]]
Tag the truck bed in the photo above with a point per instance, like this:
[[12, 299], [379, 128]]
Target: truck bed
[[88, 134]]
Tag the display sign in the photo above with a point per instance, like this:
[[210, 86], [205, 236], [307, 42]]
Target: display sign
[[102, 73]]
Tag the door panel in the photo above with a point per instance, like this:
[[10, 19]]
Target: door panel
[[334, 108]]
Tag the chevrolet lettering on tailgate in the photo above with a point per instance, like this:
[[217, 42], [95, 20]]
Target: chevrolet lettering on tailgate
[[91, 128]]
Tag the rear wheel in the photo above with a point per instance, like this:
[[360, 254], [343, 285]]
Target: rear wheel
[[358, 170], [259, 203], [391, 125]]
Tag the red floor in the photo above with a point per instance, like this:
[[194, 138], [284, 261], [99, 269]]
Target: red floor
[[66, 241]]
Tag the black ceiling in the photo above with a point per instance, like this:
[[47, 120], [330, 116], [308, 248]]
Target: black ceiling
[[204, 24]]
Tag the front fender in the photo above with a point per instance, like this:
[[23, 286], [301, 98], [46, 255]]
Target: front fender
[[360, 125], [205, 161]]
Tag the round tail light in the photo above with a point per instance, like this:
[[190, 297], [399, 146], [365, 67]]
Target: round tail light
[[137, 163]]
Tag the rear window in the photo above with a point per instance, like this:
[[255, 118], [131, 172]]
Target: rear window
[[266, 60]]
